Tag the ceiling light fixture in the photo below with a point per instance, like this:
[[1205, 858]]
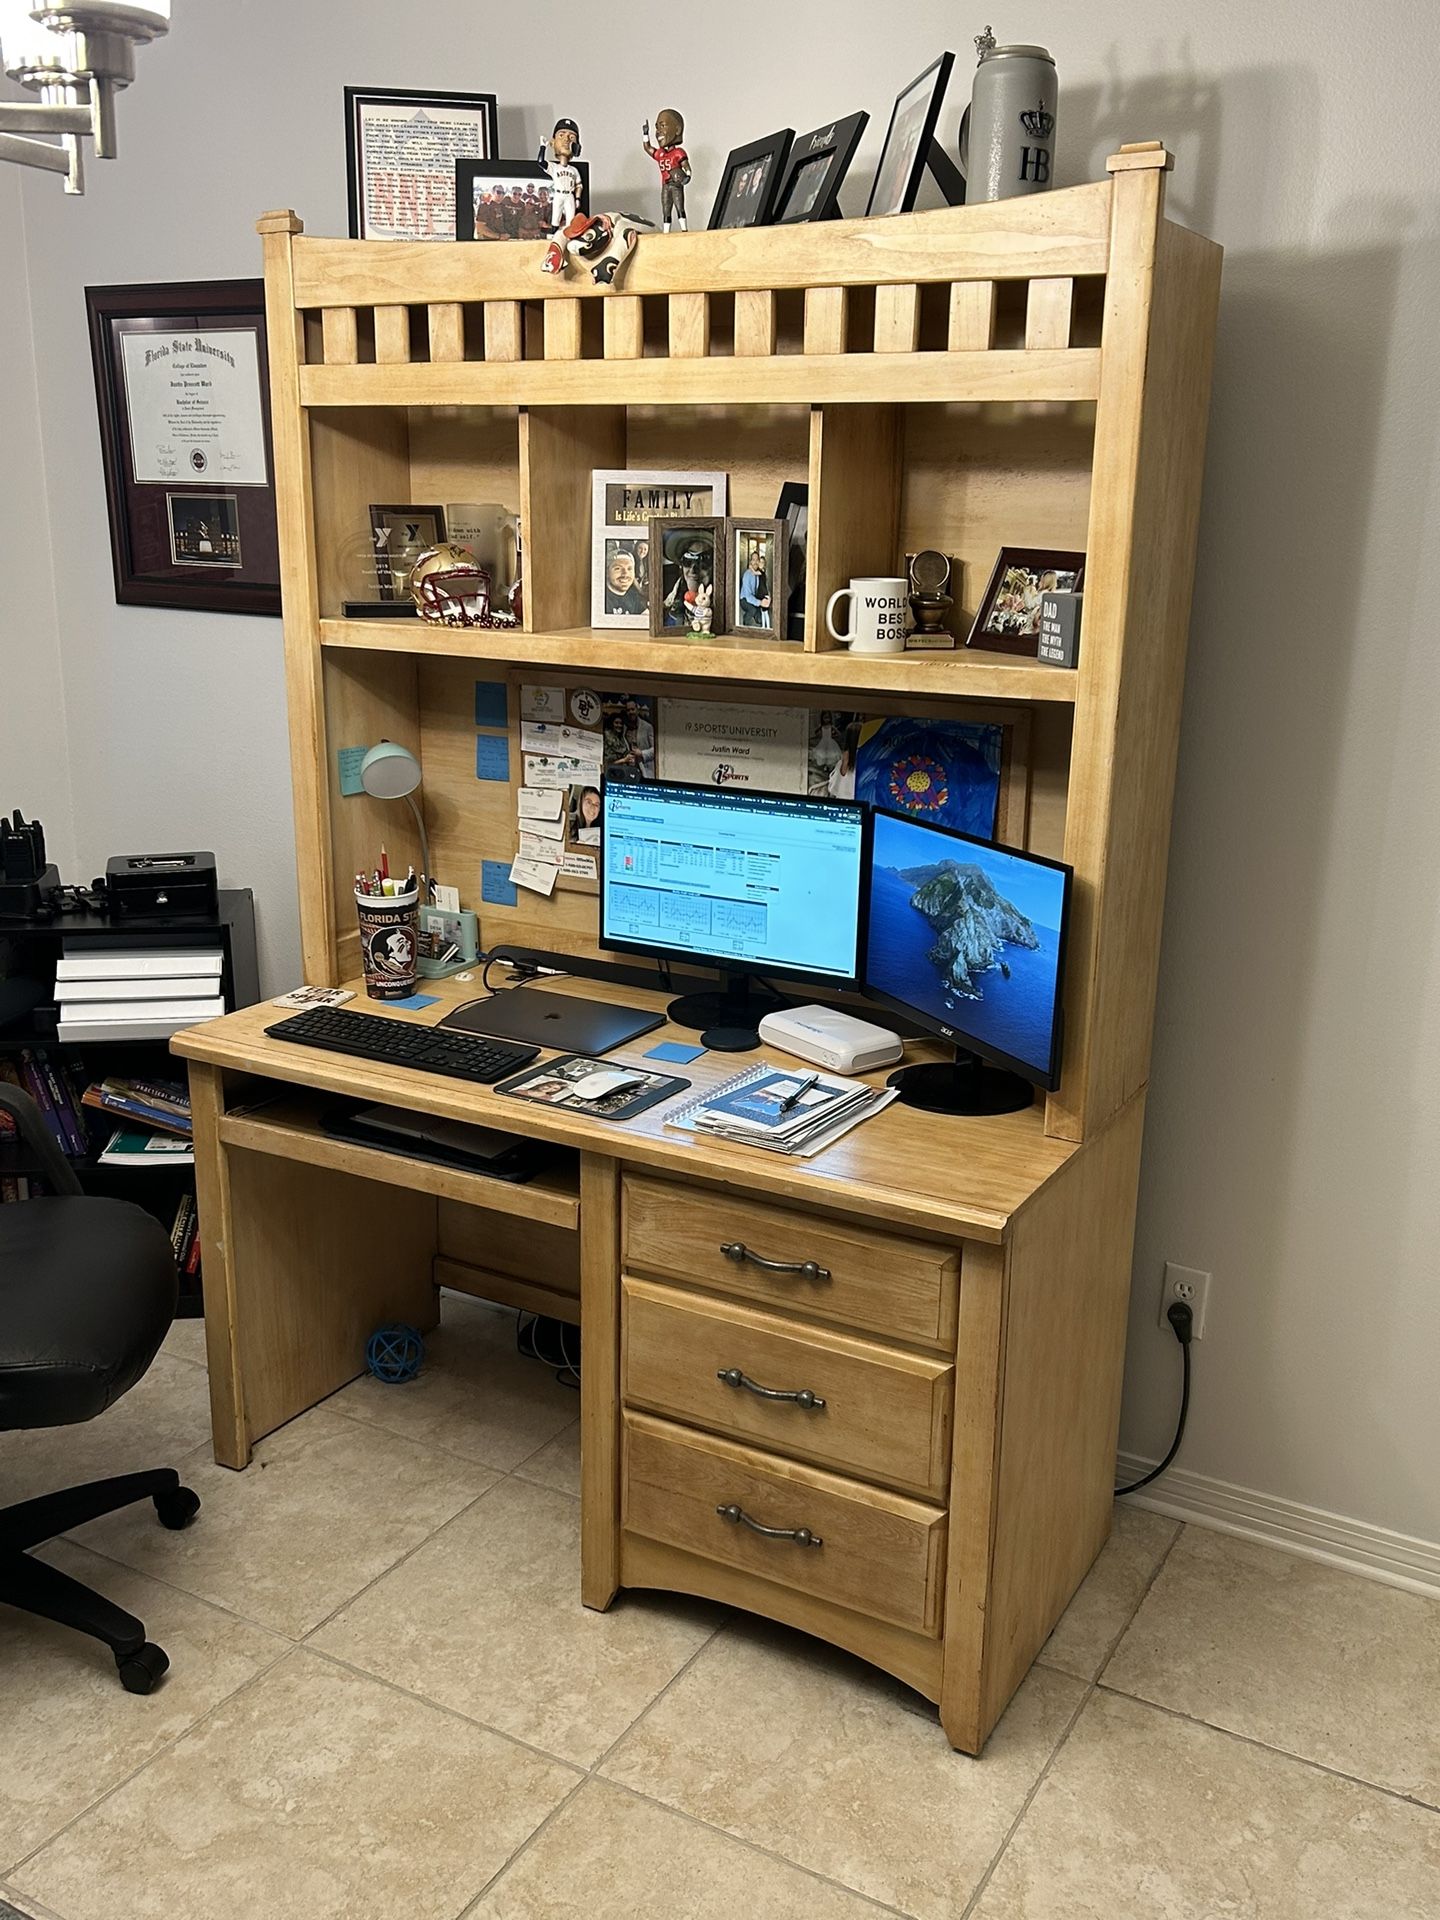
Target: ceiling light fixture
[[77, 58]]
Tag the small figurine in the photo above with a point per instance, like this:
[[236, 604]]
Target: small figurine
[[558, 155], [699, 607], [674, 165], [601, 241]]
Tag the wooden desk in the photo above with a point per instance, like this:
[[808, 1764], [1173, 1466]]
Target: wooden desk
[[953, 1292]]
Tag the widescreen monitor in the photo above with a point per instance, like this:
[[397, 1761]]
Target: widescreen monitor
[[752, 883], [967, 938]]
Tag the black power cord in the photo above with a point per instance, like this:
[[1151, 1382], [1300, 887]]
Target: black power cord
[[1183, 1321]]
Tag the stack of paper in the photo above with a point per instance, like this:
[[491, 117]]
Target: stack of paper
[[144, 993], [788, 1112]]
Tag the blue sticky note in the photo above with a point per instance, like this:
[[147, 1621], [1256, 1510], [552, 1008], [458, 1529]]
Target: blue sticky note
[[676, 1051], [491, 706], [492, 756], [496, 886], [416, 1002], [349, 760]]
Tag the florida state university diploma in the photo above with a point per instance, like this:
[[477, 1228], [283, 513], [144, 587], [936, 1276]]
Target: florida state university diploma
[[194, 406]]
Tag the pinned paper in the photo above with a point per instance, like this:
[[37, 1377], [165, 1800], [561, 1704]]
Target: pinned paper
[[496, 886], [540, 803], [492, 756], [537, 875], [350, 760], [542, 703], [492, 707], [539, 736], [585, 707], [548, 830], [534, 846], [446, 898], [578, 866], [560, 770]]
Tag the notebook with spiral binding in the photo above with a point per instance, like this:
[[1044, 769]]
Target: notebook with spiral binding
[[781, 1109]]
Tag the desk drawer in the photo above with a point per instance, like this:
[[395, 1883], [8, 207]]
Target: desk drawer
[[821, 1265], [877, 1553], [873, 1410]]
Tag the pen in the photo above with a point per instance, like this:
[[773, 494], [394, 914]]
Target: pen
[[800, 1092], [384, 864]]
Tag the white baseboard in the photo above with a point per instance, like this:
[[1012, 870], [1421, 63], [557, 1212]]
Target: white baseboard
[[1397, 1559]]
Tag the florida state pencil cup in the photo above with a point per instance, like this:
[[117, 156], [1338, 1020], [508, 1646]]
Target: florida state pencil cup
[[388, 946]]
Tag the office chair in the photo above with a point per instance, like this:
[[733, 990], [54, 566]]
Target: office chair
[[87, 1293]]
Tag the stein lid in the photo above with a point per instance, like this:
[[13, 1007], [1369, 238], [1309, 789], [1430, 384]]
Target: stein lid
[[987, 49]]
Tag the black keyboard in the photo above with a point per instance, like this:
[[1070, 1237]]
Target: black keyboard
[[400, 1043]]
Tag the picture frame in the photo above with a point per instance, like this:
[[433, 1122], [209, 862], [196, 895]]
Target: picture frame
[[182, 388], [521, 198], [747, 609], [687, 561], [624, 500], [750, 180], [1008, 617], [906, 151], [401, 145], [815, 171], [793, 507], [397, 531]]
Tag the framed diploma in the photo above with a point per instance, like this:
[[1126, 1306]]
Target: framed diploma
[[183, 386], [400, 152]]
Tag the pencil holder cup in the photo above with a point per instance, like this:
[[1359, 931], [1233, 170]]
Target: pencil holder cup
[[387, 943]]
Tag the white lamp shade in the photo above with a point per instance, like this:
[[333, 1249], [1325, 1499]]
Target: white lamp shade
[[389, 771]]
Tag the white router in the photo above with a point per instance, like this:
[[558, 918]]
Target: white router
[[832, 1039]]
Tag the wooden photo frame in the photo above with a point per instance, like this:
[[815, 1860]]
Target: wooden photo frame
[[748, 606], [400, 174], [508, 199], [687, 558], [815, 170], [420, 527], [906, 151], [750, 181], [1008, 617], [793, 507], [182, 383]]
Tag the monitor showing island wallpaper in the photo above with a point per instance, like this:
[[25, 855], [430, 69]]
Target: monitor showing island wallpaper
[[968, 938]]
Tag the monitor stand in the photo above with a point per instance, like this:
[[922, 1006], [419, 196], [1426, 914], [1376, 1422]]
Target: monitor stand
[[962, 1085], [729, 1021]]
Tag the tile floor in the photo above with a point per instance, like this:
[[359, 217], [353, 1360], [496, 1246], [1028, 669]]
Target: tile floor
[[385, 1699]]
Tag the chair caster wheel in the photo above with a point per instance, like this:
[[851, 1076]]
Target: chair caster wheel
[[142, 1670], [177, 1508]]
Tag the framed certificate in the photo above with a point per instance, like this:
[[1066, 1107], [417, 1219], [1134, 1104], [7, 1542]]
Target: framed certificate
[[401, 146], [183, 387]]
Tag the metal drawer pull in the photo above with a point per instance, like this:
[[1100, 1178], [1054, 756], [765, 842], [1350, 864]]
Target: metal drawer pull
[[802, 1536], [733, 1377], [737, 1251]]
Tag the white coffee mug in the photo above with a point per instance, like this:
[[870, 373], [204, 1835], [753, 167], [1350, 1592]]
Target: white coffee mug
[[879, 606]]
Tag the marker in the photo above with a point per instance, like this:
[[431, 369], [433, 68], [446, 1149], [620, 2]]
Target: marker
[[384, 864]]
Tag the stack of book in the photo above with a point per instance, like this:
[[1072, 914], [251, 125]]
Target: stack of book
[[162, 1104], [136, 994], [53, 1085], [185, 1237], [783, 1111]]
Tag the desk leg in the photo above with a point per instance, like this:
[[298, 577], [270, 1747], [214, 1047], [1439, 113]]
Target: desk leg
[[212, 1198], [599, 1379]]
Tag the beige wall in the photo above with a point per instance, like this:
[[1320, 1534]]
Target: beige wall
[[1294, 1117]]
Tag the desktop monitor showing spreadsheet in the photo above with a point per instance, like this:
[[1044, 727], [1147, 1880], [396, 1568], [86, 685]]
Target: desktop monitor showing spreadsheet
[[968, 939], [752, 883]]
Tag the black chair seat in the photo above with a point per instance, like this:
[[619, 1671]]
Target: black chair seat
[[87, 1294]]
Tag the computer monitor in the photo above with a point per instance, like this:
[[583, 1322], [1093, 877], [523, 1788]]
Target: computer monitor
[[968, 939], [751, 883]]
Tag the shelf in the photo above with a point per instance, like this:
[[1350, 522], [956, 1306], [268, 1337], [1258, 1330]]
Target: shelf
[[967, 673], [809, 379], [293, 1129]]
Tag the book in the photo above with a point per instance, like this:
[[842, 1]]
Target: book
[[119, 1021], [11, 1075], [146, 963], [136, 992], [126, 1099], [184, 1219], [77, 1144], [129, 1148], [782, 1109], [33, 1080]]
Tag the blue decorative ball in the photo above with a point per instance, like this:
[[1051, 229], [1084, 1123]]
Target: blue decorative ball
[[394, 1353]]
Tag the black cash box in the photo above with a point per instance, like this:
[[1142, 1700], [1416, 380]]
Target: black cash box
[[141, 883]]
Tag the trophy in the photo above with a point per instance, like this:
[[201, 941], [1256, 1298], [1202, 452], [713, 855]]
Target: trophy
[[930, 600]]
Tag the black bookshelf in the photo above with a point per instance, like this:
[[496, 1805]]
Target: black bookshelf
[[29, 1017]]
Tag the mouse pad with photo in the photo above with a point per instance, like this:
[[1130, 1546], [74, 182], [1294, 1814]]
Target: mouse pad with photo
[[558, 1084]]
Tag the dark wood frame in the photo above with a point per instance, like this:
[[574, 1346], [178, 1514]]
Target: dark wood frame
[[1034, 560], [388, 513], [712, 524], [738, 526], [466, 170], [775, 147], [793, 495], [836, 141], [938, 74], [397, 96], [196, 303]]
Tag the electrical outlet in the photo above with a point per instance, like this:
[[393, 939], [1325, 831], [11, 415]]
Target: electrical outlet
[[1189, 1285]]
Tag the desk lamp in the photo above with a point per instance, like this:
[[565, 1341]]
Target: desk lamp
[[391, 772]]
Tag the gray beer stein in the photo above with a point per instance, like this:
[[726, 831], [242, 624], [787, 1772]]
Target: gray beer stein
[[1007, 133]]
